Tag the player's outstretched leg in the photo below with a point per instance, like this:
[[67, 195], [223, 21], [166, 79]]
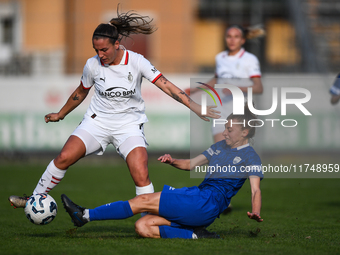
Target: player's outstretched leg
[[18, 202], [75, 211]]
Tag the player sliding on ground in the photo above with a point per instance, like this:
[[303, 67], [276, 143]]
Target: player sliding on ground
[[186, 212]]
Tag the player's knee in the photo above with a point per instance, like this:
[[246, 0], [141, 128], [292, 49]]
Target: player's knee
[[142, 228]]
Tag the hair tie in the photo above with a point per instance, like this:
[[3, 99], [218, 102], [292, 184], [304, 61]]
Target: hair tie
[[112, 25]]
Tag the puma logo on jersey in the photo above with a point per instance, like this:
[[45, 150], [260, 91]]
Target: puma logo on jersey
[[102, 79], [154, 70]]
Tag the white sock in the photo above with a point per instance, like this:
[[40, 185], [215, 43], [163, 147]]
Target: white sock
[[50, 178], [86, 215], [145, 190]]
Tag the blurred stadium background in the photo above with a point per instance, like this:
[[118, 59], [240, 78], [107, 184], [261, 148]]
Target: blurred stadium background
[[45, 44]]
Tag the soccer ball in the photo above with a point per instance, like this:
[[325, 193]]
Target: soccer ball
[[41, 209]]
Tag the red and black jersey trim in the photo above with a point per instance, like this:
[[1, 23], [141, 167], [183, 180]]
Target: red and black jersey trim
[[126, 58], [158, 76]]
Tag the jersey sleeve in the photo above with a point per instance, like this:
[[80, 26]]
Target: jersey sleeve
[[87, 80], [335, 89], [254, 165], [253, 67], [209, 152], [148, 70]]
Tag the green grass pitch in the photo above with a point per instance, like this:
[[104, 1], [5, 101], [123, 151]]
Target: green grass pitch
[[301, 216]]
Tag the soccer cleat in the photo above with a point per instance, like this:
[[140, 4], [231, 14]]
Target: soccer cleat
[[18, 202], [228, 210], [202, 232], [75, 211]]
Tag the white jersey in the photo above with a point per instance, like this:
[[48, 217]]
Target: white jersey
[[117, 99], [243, 65], [236, 70]]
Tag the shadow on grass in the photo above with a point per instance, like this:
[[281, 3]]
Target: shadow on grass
[[333, 204], [40, 235], [103, 232]]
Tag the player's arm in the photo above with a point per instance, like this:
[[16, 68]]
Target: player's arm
[[211, 83], [255, 198], [257, 86], [184, 164], [179, 95], [74, 100]]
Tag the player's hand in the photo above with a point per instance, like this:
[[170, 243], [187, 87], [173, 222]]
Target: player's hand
[[53, 117], [166, 158], [211, 113], [254, 216], [187, 91]]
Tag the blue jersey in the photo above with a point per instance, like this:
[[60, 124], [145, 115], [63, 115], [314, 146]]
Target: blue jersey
[[200, 206], [335, 89], [229, 168]]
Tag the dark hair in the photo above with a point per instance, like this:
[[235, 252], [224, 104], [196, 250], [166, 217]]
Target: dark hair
[[124, 25], [250, 32], [249, 120]]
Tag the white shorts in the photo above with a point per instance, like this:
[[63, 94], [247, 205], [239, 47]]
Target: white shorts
[[96, 139]]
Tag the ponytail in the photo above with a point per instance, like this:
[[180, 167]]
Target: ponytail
[[124, 25], [250, 33]]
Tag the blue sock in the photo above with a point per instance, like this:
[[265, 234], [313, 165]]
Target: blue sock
[[113, 211], [172, 232]]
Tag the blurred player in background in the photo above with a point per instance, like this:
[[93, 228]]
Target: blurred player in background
[[116, 112], [186, 212], [237, 67], [335, 90]]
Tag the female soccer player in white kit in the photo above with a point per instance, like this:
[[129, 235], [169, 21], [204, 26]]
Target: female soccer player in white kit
[[237, 67], [116, 113]]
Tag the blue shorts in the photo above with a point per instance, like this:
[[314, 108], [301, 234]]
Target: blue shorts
[[188, 206]]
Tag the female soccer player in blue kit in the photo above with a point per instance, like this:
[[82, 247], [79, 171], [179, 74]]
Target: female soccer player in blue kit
[[185, 212]]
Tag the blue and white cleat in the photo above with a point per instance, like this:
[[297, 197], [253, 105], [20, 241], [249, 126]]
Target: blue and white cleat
[[75, 211]]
